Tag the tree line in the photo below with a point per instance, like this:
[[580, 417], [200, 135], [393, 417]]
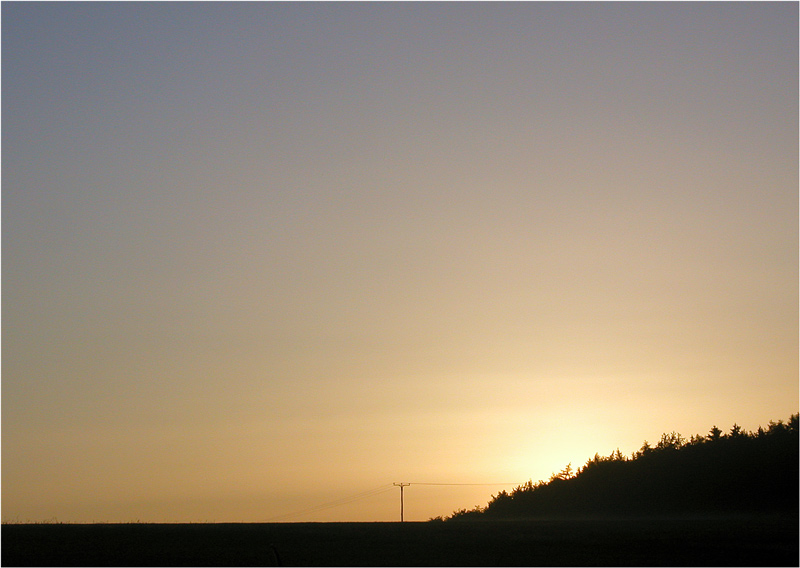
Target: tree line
[[721, 472]]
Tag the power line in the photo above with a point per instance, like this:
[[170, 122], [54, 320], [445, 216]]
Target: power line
[[338, 502], [402, 485], [371, 493], [331, 504], [515, 483]]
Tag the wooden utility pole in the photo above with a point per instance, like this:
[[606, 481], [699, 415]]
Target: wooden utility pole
[[401, 485]]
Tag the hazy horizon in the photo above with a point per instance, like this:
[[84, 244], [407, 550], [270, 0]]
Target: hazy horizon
[[262, 256]]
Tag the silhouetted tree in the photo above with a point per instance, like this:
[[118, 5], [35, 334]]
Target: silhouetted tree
[[739, 471], [671, 441], [565, 473], [736, 431]]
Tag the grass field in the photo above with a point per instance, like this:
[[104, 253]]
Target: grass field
[[742, 541]]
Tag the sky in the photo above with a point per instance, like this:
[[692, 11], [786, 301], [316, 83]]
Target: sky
[[261, 258]]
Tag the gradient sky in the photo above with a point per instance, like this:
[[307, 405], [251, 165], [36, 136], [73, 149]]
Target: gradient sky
[[262, 256]]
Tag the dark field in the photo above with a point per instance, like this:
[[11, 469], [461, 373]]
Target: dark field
[[743, 541]]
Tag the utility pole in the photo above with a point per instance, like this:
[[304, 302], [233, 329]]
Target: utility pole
[[401, 485]]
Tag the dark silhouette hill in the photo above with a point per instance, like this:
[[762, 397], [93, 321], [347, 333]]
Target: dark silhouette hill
[[736, 472]]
